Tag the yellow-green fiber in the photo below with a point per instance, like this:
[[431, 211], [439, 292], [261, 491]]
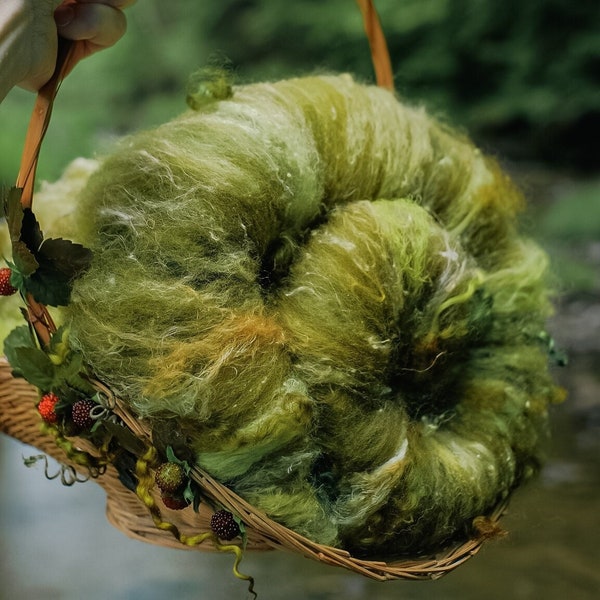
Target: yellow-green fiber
[[328, 293]]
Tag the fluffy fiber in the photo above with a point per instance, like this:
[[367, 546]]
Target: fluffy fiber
[[327, 290]]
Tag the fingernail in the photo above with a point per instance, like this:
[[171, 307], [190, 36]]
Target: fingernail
[[63, 15]]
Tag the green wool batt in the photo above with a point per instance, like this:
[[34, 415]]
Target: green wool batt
[[326, 292]]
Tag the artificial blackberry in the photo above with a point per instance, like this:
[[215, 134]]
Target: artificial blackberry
[[224, 525]]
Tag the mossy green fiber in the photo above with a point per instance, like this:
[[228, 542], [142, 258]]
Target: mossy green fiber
[[327, 291]]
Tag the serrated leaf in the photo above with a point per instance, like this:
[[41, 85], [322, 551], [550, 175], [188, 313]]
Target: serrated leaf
[[60, 262], [70, 374], [47, 267], [69, 258], [16, 279], [48, 286], [31, 233], [19, 337], [24, 260], [23, 257], [35, 367]]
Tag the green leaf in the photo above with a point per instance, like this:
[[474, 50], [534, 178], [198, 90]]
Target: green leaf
[[47, 267], [24, 260], [65, 256], [171, 455], [243, 531], [49, 286], [16, 278], [35, 367], [23, 257], [19, 337], [125, 437], [188, 493], [60, 263], [59, 346], [182, 463], [31, 234], [197, 497], [69, 374], [13, 211]]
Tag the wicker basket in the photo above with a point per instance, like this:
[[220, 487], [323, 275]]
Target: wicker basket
[[20, 419]]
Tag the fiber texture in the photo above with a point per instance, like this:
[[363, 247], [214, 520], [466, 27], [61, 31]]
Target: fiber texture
[[325, 291]]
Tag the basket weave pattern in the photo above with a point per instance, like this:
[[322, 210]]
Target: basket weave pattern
[[20, 419]]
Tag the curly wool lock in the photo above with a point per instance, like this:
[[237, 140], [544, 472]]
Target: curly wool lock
[[328, 291]]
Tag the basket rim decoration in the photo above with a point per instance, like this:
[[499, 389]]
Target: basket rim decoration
[[20, 419]]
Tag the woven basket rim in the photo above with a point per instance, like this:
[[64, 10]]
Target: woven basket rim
[[19, 419]]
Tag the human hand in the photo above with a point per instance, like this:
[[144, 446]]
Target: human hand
[[29, 31]]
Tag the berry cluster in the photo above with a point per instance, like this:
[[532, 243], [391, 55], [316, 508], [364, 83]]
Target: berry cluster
[[224, 525], [81, 411], [6, 288], [47, 408], [170, 478]]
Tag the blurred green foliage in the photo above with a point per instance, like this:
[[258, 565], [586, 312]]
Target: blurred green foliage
[[578, 219], [525, 72], [521, 75], [570, 230]]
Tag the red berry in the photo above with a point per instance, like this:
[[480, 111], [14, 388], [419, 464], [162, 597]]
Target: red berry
[[46, 408], [224, 525], [174, 502], [80, 413], [6, 289], [169, 477]]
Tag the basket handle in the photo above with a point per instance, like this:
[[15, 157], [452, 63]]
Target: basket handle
[[68, 54], [380, 55]]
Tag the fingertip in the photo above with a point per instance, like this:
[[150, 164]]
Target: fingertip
[[98, 24], [64, 15]]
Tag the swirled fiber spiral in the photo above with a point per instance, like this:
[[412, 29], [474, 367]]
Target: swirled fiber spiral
[[327, 291]]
